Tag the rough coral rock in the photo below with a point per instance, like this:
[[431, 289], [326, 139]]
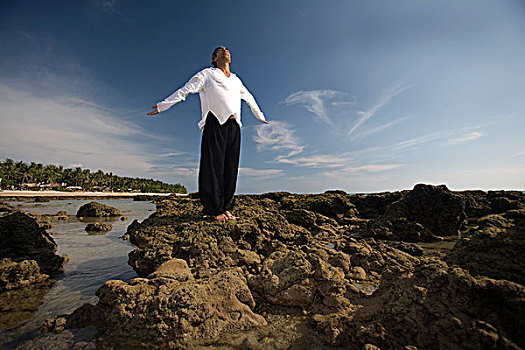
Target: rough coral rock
[[494, 247], [432, 307], [14, 275], [176, 269], [61, 215], [23, 239], [304, 278], [179, 230], [374, 205], [393, 228], [333, 204], [502, 201], [94, 209], [434, 207], [169, 310], [99, 227]]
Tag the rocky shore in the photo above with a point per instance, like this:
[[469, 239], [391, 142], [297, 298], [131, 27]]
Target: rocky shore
[[28, 252], [421, 269], [28, 261]]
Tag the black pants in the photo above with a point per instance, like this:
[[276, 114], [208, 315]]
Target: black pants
[[219, 164]]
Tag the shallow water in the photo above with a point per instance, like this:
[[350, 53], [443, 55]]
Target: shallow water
[[93, 259]]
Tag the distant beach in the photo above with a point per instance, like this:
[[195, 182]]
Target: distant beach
[[57, 195]]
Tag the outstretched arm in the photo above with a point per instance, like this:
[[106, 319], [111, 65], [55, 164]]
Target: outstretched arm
[[247, 96], [194, 85]]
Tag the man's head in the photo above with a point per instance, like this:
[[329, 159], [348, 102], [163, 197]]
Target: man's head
[[220, 54]]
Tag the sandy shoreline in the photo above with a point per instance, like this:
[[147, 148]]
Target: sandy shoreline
[[10, 193]]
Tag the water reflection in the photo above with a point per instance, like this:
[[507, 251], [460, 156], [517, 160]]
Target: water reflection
[[19, 305]]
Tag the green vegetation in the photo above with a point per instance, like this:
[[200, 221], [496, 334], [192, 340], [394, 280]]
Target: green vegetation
[[19, 175]]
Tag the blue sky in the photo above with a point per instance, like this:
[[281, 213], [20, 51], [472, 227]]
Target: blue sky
[[363, 96]]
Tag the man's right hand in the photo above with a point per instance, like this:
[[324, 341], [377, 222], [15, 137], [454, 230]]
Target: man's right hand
[[154, 112]]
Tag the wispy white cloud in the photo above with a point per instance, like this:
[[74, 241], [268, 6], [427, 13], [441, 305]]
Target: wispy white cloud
[[419, 140], [187, 174], [361, 169], [317, 161], [281, 138], [184, 171], [451, 136], [521, 153], [365, 115], [260, 173], [316, 101], [377, 129], [108, 5], [344, 103], [71, 131], [299, 178], [171, 154], [372, 168], [321, 104], [277, 136], [348, 163], [465, 138]]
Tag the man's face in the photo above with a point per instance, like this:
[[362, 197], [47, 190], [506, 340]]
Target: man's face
[[223, 54]]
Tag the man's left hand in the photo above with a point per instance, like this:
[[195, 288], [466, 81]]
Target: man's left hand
[[154, 112]]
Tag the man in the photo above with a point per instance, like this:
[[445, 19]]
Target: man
[[220, 92]]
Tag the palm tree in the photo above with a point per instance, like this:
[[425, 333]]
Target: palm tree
[[67, 176], [50, 173], [22, 172], [87, 180], [9, 166], [99, 178], [61, 178], [39, 172], [78, 176], [31, 170]]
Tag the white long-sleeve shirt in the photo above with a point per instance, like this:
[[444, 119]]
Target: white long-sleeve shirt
[[218, 93]]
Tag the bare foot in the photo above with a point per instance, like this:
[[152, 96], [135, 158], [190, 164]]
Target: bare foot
[[229, 215], [221, 218]]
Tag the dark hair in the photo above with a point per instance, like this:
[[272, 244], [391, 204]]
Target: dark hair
[[214, 55]]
